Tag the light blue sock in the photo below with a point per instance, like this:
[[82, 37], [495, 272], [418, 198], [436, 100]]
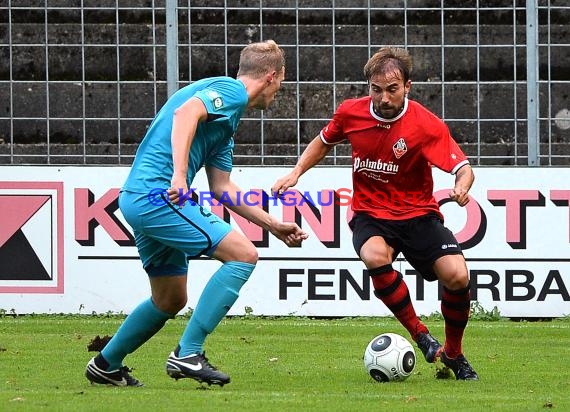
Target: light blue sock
[[137, 328], [220, 293]]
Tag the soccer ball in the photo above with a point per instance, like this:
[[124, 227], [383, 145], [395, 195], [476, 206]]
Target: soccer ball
[[389, 357]]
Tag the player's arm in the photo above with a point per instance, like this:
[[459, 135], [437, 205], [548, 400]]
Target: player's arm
[[224, 188], [185, 122], [464, 178], [313, 154]]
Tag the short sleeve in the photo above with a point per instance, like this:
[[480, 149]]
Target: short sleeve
[[214, 102], [333, 132], [442, 150]]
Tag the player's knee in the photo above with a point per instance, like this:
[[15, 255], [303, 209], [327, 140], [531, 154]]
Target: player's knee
[[170, 303], [458, 282], [179, 303], [459, 279], [452, 272], [374, 258], [236, 247], [249, 255]]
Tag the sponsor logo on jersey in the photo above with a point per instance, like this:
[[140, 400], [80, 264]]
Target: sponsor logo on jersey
[[400, 148], [361, 165]]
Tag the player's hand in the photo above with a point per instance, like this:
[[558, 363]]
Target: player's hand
[[284, 183], [290, 233], [459, 195], [178, 190]]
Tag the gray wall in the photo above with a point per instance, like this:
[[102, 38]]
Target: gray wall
[[80, 84]]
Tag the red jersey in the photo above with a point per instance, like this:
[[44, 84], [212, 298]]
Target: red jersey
[[392, 158]]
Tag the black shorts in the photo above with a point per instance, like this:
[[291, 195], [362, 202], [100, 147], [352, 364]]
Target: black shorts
[[422, 240]]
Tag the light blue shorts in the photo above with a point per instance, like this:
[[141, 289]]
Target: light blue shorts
[[167, 235]]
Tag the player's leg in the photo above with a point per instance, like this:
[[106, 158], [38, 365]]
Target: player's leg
[[199, 232], [168, 297], [188, 360], [389, 285], [167, 270], [139, 326], [239, 257], [428, 245], [451, 271], [455, 302], [436, 254]]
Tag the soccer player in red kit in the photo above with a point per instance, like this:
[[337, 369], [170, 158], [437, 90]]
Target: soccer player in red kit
[[395, 142]]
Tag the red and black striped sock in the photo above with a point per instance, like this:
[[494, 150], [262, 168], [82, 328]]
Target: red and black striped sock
[[455, 306], [390, 288]]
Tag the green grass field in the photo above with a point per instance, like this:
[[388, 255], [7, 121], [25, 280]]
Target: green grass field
[[285, 364]]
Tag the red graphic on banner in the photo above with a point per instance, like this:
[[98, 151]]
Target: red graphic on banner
[[31, 237]]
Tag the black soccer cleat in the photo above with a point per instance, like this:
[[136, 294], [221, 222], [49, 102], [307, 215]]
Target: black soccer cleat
[[117, 377], [196, 367], [460, 367], [429, 346]]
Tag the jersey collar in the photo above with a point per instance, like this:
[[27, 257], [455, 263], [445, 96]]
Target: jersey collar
[[389, 120]]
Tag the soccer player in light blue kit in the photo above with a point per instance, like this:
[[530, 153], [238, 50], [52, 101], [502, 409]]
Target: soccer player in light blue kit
[[195, 128]]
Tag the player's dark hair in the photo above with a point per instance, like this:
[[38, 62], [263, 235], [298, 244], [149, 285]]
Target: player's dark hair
[[387, 60], [256, 59]]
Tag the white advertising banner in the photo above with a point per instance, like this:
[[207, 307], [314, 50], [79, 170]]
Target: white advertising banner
[[65, 248]]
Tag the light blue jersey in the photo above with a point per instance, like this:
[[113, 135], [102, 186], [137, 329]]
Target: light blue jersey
[[225, 99], [166, 234]]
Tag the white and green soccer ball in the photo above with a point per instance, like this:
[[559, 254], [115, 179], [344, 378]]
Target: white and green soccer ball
[[389, 357]]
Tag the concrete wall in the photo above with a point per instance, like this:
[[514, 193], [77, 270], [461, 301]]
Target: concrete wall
[[98, 91]]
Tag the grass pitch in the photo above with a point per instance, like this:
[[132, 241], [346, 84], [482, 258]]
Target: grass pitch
[[285, 364]]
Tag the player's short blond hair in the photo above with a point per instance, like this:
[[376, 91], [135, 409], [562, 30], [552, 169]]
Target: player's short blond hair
[[256, 59], [387, 60]]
